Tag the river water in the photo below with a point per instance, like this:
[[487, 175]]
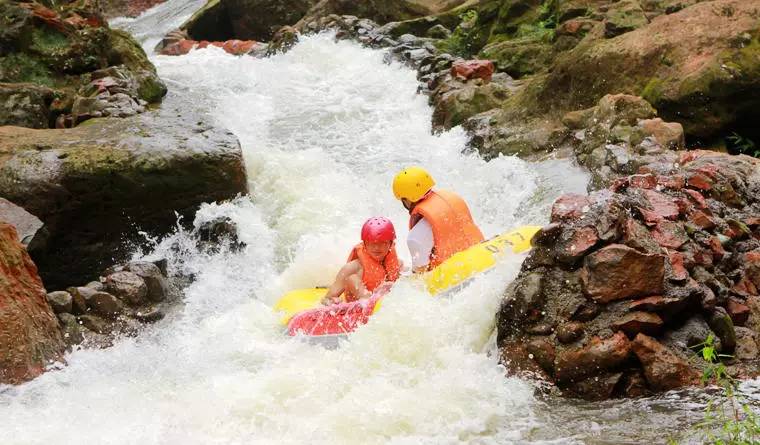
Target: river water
[[323, 128]]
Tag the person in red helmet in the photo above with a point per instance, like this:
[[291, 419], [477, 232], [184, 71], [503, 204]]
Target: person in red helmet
[[370, 263]]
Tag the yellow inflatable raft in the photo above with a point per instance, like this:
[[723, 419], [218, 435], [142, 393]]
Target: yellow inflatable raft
[[452, 272]]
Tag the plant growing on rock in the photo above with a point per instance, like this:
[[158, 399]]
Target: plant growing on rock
[[729, 419], [743, 145]]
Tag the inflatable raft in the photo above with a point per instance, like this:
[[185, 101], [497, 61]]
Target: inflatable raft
[[304, 314]]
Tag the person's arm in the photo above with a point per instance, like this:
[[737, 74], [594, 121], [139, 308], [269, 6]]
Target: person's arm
[[342, 280], [420, 243]]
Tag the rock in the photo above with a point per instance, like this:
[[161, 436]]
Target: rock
[[31, 231], [438, 32], [96, 285], [79, 297], [635, 384], [664, 369], [128, 287], [638, 322], [30, 337], [622, 17], [72, 333], [464, 101], [595, 388], [679, 62], [569, 332], [95, 323], [596, 357], [677, 270], [522, 303], [25, 105], [222, 20], [149, 315], [669, 234], [690, 335], [157, 288], [668, 134], [738, 311], [746, 344], [116, 168], [570, 206], [518, 361], [637, 236], [60, 301], [105, 305], [473, 69], [720, 322], [127, 8], [519, 57], [542, 351], [617, 272]]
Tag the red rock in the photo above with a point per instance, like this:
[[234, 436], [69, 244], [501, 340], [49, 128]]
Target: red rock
[[752, 267], [745, 287], [30, 337], [650, 217], [618, 271], [684, 205], [673, 182], [669, 234], [620, 184], [518, 361], [658, 303], [596, 357], [648, 181], [716, 247], [569, 207], [736, 230], [700, 219], [637, 322], [703, 257], [697, 197], [239, 47], [663, 369], [473, 69], [179, 48], [738, 311], [700, 181], [677, 268], [662, 204], [709, 170], [569, 332], [753, 221], [581, 241], [637, 236]]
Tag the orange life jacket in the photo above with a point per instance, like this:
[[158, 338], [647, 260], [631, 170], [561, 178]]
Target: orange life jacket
[[453, 227], [375, 272]]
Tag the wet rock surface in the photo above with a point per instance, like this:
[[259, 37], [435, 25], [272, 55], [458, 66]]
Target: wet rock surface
[[140, 170], [30, 337], [660, 256]]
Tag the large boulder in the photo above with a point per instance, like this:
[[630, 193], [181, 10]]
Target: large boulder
[[698, 66], [90, 184], [30, 337], [31, 231]]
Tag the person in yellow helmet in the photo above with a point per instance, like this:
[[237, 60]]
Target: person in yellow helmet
[[440, 223]]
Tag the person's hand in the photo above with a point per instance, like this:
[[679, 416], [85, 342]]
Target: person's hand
[[330, 301]]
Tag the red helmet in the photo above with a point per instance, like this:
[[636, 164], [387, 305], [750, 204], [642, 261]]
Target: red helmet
[[377, 229]]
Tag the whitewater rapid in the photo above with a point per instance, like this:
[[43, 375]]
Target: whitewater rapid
[[323, 129]]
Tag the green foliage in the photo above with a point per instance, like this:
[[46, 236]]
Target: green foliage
[[463, 41], [744, 145], [728, 420], [544, 29]]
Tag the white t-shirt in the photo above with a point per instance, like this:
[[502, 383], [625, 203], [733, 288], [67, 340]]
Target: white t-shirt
[[420, 242]]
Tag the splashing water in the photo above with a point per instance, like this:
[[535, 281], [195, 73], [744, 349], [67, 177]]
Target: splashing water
[[323, 129]]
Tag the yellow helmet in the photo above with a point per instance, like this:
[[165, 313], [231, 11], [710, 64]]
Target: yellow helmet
[[412, 183]]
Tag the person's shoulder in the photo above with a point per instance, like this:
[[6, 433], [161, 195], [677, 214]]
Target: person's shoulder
[[352, 266]]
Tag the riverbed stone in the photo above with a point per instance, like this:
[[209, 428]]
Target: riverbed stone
[[599, 355], [128, 287], [105, 305], [71, 329], [663, 368], [60, 301], [155, 282]]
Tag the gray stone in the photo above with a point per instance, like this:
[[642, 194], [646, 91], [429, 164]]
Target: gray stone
[[128, 287], [72, 331], [105, 305], [24, 105], [746, 344], [60, 301], [79, 296], [154, 280], [95, 323], [720, 322], [31, 231]]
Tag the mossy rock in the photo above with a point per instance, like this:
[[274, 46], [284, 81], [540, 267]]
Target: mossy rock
[[519, 57]]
